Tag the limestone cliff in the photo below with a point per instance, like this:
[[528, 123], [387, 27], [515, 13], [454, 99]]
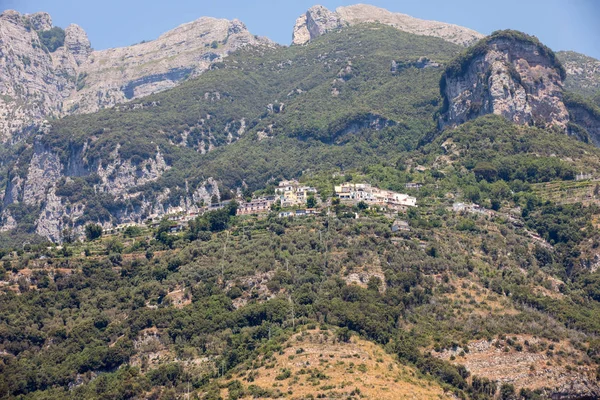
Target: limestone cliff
[[509, 74], [319, 20], [583, 73], [584, 118], [34, 83], [52, 189], [37, 82]]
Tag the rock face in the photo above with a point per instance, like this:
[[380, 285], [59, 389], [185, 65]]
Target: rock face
[[526, 369], [319, 20], [508, 74], [33, 83], [585, 121], [583, 73], [50, 187], [77, 43], [36, 84]]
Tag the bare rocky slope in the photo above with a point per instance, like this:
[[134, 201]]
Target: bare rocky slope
[[513, 75], [583, 73], [37, 82], [318, 20]]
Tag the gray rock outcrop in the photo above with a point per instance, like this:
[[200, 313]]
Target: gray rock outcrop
[[36, 84], [318, 20], [49, 186], [508, 75], [77, 43]]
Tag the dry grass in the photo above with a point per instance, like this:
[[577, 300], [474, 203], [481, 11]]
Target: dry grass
[[320, 365]]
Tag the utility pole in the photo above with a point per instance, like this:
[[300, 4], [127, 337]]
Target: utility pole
[[293, 314]]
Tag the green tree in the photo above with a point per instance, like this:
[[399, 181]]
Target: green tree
[[93, 231], [485, 170], [507, 392], [52, 39], [344, 335], [472, 193], [311, 202]]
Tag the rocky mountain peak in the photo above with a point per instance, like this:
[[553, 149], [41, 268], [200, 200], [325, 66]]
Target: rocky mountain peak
[[77, 43], [41, 21], [236, 26], [37, 82], [318, 20], [11, 15], [510, 74]]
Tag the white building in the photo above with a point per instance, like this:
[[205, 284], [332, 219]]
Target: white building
[[357, 192], [291, 193]]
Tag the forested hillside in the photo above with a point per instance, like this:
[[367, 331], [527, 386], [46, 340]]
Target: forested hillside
[[128, 271], [299, 107]]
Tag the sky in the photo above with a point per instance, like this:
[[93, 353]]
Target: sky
[[560, 24]]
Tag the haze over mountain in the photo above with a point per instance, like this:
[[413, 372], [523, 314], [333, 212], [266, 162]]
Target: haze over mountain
[[200, 213]]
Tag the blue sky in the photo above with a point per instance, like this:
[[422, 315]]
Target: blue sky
[[561, 24]]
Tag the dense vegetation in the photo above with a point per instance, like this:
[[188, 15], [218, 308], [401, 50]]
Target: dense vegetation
[[149, 312], [52, 39], [83, 312]]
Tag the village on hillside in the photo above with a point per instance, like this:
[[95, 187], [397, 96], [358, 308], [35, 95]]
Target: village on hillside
[[294, 199], [305, 200]]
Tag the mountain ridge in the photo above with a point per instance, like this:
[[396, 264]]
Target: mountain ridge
[[294, 223], [75, 79], [72, 78], [319, 20]]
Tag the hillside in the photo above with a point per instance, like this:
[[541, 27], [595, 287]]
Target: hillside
[[349, 99], [316, 362], [583, 73], [47, 72], [147, 157], [145, 312], [372, 213]]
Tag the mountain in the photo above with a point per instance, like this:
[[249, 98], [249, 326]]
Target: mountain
[[143, 253], [146, 157], [291, 109], [47, 72], [318, 20], [583, 73], [508, 74]]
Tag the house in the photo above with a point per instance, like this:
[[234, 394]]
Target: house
[[299, 213], [400, 226], [470, 208], [413, 185], [256, 206], [218, 206], [291, 193], [355, 193]]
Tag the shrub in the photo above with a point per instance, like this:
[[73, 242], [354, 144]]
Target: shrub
[[93, 231], [52, 39], [285, 374], [344, 335]]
